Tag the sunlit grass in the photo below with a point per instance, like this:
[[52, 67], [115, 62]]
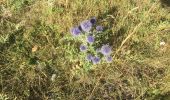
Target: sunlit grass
[[35, 45]]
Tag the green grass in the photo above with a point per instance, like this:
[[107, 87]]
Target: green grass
[[35, 44]]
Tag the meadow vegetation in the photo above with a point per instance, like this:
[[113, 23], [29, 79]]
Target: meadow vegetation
[[39, 60]]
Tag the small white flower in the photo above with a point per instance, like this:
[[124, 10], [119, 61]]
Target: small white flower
[[162, 43], [53, 77]]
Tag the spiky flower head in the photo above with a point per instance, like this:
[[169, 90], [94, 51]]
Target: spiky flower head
[[109, 59], [75, 31], [106, 50], [96, 60], [99, 28], [86, 25], [89, 57], [90, 39], [83, 48], [93, 20]]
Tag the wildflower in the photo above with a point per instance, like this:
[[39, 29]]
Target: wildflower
[[83, 47], [86, 25], [93, 20], [89, 57], [75, 31], [99, 28], [162, 43], [90, 39], [95, 60], [80, 28], [106, 50], [109, 59]]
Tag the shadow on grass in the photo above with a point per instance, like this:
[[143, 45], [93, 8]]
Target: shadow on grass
[[165, 3], [11, 40], [163, 97], [113, 38]]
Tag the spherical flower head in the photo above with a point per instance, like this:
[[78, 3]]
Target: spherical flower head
[[106, 50], [89, 57], [93, 20], [90, 39], [99, 28], [75, 31], [83, 48], [86, 25], [109, 59], [96, 60], [80, 28]]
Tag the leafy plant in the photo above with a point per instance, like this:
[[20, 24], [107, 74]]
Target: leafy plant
[[91, 50]]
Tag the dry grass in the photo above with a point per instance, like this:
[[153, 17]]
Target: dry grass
[[32, 49]]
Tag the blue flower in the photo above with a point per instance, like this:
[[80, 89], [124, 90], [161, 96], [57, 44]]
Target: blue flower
[[86, 25], [89, 57], [99, 28], [96, 60], [106, 50], [83, 48], [75, 31], [90, 39], [109, 59], [93, 20], [80, 28]]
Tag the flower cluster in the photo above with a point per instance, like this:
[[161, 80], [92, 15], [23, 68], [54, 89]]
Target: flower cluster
[[87, 33]]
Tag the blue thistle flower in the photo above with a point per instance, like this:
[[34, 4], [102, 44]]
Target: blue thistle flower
[[89, 57], [86, 25], [75, 31], [83, 48], [96, 60], [93, 20], [99, 28], [90, 39], [109, 59], [80, 28], [106, 50]]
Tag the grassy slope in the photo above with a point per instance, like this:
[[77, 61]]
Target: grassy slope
[[140, 69]]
